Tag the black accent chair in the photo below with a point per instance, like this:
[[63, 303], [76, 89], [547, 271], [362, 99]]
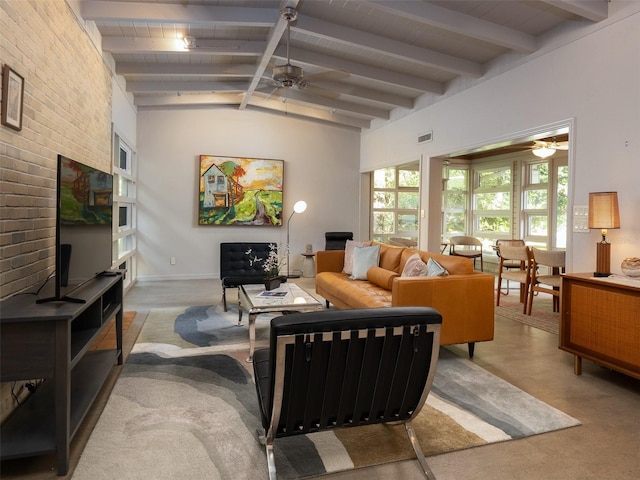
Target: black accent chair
[[346, 368], [336, 240], [236, 267]]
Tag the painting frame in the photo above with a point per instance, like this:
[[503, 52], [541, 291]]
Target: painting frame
[[240, 191], [12, 98]]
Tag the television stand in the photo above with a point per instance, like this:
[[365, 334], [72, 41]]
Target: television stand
[[52, 341]]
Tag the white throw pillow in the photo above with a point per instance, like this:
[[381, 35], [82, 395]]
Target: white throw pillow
[[348, 254], [363, 259], [414, 266], [434, 269]]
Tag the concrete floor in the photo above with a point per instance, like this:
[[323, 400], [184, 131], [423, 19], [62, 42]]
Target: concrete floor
[[605, 446]]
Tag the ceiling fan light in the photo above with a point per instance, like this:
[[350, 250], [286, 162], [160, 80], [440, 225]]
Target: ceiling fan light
[[543, 152]]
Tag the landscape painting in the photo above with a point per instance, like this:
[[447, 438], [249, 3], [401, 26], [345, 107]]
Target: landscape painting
[[240, 191]]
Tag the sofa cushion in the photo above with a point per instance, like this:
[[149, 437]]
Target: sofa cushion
[[363, 259], [354, 293], [434, 269], [381, 277], [414, 266], [348, 254], [390, 257]]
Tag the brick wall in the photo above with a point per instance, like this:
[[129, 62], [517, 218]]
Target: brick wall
[[67, 110]]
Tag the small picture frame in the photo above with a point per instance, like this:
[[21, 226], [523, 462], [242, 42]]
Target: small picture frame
[[12, 98]]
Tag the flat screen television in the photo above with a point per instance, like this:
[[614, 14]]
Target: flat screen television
[[84, 212]]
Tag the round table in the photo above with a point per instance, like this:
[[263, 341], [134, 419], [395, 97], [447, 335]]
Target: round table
[[308, 265]]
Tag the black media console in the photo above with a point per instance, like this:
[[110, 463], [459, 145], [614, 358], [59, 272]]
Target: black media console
[[52, 341]]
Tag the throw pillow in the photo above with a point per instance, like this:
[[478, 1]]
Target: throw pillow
[[434, 269], [348, 254], [414, 266], [363, 259]]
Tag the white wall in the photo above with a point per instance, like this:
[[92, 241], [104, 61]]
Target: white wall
[[594, 80], [321, 167]]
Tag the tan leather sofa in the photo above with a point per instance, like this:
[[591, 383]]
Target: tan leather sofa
[[464, 297]]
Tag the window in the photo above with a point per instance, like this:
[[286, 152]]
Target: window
[[124, 244], [535, 208], [492, 203], [395, 203], [455, 197]]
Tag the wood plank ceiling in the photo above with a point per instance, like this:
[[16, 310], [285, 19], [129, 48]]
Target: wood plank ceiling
[[361, 58]]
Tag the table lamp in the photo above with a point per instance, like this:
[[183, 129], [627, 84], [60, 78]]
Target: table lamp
[[299, 207], [603, 214]]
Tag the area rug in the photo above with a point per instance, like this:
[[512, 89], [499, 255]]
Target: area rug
[[542, 315], [191, 412]]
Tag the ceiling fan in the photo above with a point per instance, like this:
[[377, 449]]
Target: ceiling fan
[[290, 76], [544, 149]]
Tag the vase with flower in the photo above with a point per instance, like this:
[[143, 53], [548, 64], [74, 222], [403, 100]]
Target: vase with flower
[[271, 265]]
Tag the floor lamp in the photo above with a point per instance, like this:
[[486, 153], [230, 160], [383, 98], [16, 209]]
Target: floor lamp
[[299, 207], [603, 214]]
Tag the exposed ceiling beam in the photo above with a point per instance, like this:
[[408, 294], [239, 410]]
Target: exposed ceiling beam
[[386, 46], [337, 105], [172, 69], [272, 43], [361, 70], [198, 99], [177, 13], [286, 108], [155, 45], [185, 86], [473, 27], [594, 10], [367, 94], [305, 112]]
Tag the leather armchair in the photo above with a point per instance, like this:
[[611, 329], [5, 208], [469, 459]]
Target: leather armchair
[[346, 368], [236, 268]]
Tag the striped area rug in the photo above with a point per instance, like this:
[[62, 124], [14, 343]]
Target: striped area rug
[[191, 412]]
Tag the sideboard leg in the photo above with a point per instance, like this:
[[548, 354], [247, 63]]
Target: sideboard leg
[[577, 365]]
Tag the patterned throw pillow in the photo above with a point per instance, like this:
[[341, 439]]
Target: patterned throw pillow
[[363, 259], [434, 269], [348, 254], [414, 267]]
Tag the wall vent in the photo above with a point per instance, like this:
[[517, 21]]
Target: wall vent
[[425, 137]]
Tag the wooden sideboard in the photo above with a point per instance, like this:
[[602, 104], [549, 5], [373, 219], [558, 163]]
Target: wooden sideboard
[[52, 341], [600, 321]]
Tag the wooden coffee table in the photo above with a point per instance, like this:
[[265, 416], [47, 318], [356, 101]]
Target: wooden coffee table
[[288, 297]]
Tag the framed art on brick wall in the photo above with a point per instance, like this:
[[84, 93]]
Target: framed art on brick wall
[[12, 98], [240, 191]]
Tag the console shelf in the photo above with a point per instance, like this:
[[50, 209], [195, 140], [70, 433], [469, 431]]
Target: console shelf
[[51, 341]]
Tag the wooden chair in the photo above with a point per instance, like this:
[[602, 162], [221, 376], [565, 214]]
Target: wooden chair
[[346, 368], [554, 261], [469, 247], [522, 256], [509, 264]]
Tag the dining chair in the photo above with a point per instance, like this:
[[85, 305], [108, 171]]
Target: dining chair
[[470, 247], [521, 255], [554, 261], [509, 264]]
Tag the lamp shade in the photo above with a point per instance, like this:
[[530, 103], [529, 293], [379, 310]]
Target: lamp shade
[[603, 210], [300, 206]]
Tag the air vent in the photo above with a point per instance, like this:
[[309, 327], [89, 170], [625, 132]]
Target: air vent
[[425, 137]]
